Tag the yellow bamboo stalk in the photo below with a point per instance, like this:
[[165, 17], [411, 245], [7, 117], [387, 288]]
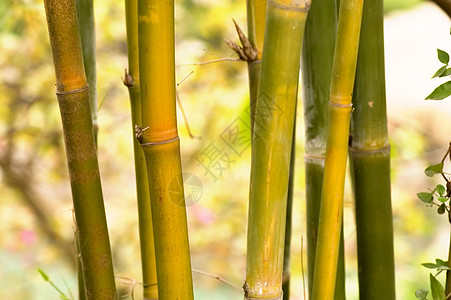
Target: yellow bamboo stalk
[[161, 144], [331, 210]]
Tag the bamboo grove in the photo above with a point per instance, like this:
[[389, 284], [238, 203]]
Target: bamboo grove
[[337, 48]]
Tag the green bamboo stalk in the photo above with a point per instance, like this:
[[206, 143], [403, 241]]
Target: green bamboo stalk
[[317, 58], [256, 18], [73, 97], [288, 220], [85, 13], [331, 207], [131, 80], [370, 161], [161, 144], [86, 25], [271, 149]]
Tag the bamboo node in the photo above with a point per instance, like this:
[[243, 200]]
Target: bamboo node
[[62, 92], [296, 5], [340, 105], [150, 144]]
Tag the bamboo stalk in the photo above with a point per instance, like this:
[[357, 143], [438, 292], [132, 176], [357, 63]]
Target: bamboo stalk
[[370, 161], [85, 13], [161, 144], [256, 18], [317, 58], [331, 207], [131, 80], [271, 149], [73, 98], [288, 220]]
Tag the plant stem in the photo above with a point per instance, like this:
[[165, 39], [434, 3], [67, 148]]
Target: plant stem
[[286, 255], [331, 208], [161, 146], [370, 162], [317, 59], [85, 14], [256, 18], [131, 80], [73, 98], [271, 149]]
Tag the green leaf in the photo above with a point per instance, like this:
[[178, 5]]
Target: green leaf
[[442, 199], [440, 189], [443, 57], [440, 72], [441, 92], [434, 169], [421, 294], [441, 262], [425, 197], [429, 265], [446, 73], [437, 290], [43, 274]]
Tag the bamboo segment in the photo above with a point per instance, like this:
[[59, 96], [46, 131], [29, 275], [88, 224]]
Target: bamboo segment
[[331, 208], [370, 161], [271, 149], [286, 276], [160, 142], [73, 98], [256, 18], [85, 13], [131, 80], [317, 58]]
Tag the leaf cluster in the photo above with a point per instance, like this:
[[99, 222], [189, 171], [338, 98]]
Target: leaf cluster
[[439, 193], [443, 90], [437, 289]]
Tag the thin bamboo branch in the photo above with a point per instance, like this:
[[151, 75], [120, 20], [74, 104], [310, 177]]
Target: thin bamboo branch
[[131, 80], [73, 98], [256, 18]]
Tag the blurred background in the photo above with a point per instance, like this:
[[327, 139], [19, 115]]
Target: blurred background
[[36, 223]]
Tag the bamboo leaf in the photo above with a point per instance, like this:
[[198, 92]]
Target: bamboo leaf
[[437, 290], [425, 197], [443, 56], [441, 92], [434, 169]]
